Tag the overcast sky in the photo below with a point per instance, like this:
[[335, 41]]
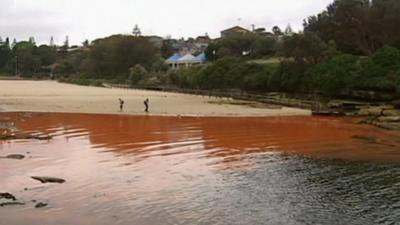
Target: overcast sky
[[91, 19]]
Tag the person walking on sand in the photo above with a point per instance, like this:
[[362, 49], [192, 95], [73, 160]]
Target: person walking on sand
[[146, 105], [121, 104]]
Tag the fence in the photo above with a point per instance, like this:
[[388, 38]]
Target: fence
[[268, 98]]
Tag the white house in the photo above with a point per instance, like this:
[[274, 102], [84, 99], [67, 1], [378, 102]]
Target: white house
[[177, 61]]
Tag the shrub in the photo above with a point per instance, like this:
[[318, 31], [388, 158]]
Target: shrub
[[332, 77], [137, 73]]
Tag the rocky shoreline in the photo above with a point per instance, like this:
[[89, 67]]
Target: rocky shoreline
[[382, 115], [386, 117]]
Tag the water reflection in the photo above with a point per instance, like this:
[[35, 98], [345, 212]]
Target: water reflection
[[226, 138], [164, 170]]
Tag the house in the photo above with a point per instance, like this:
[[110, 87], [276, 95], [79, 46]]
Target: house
[[263, 32], [234, 31], [156, 40], [201, 43], [173, 59], [203, 39], [190, 46], [177, 61]]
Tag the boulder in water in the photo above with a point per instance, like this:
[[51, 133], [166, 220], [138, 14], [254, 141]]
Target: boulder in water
[[13, 156], [24, 136], [369, 139], [41, 205], [11, 203], [8, 196], [49, 179]]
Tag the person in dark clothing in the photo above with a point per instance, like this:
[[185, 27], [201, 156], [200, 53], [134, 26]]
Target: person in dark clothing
[[146, 105], [121, 104]]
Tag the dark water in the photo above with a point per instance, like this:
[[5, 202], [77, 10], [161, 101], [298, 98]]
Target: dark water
[[163, 170]]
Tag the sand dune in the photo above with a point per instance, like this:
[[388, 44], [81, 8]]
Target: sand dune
[[51, 96]]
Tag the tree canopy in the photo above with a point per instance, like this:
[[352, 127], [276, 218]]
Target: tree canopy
[[251, 45], [358, 26], [115, 55]]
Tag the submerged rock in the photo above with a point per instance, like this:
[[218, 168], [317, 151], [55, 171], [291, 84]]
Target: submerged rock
[[11, 197], [7, 196], [49, 179], [11, 203], [42, 137], [41, 205], [7, 136], [13, 156], [24, 136], [369, 139], [7, 125]]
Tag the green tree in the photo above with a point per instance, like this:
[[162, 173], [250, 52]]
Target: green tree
[[305, 49], [358, 26], [32, 40], [167, 49], [381, 71], [264, 47], [335, 76], [249, 45], [86, 43], [137, 73], [28, 61], [277, 31], [159, 65], [7, 42], [46, 54], [115, 55], [5, 54]]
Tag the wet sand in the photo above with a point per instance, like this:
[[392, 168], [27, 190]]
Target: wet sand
[[49, 96]]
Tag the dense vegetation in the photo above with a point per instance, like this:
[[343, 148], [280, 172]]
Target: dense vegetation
[[358, 26], [349, 50], [31, 59], [105, 58], [340, 75], [250, 45]]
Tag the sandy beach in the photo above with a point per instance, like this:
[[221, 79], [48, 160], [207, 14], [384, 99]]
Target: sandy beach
[[51, 96]]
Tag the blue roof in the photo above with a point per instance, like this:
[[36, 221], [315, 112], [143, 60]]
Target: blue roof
[[202, 57], [174, 58]]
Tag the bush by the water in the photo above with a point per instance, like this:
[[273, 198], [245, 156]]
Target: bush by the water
[[343, 73]]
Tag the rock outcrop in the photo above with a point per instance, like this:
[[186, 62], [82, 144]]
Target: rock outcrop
[[383, 117]]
